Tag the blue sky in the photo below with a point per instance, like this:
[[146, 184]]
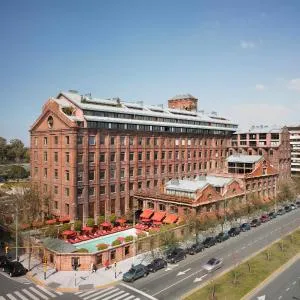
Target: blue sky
[[240, 58]]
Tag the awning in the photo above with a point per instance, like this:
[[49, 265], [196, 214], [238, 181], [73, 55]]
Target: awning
[[146, 220], [106, 224], [170, 219], [146, 214], [50, 222], [158, 216], [87, 228], [64, 219], [121, 220], [68, 232]]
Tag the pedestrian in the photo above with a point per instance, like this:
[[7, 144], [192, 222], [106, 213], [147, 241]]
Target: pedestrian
[[94, 268], [106, 265]]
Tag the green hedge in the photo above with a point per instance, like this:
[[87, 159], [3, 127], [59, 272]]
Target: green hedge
[[102, 246], [77, 225], [82, 250], [90, 222], [128, 238], [116, 243]]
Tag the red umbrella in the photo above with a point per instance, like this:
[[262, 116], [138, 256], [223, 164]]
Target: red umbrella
[[87, 228], [106, 224], [68, 232], [50, 222], [121, 220]]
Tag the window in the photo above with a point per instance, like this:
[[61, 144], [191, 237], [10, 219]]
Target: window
[[112, 173], [35, 141], [131, 186], [79, 140], [35, 155], [162, 207], [56, 204], [148, 141], [155, 182], [36, 171], [45, 156], [112, 140], [112, 156], [148, 184], [56, 157], [79, 176], [147, 170], [56, 140], [67, 157], [122, 187], [91, 191], [102, 190], [102, 139], [131, 172], [122, 173], [131, 156], [45, 188], [67, 209], [170, 154], [170, 168], [45, 141], [67, 173], [91, 174], [155, 170], [122, 156], [139, 185], [112, 188], [67, 192], [79, 192], [80, 158], [91, 157], [163, 168], [122, 140], [102, 174], [131, 140], [102, 157], [92, 140], [139, 171], [67, 139], [163, 155], [55, 189], [156, 141], [148, 155], [155, 155], [55, 173], [140, 141], [45, 172], [140, 156]]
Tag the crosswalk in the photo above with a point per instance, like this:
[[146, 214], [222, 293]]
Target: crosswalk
[[110, 293], [31, 293]]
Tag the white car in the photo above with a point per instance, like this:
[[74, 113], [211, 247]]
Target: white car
[[213, 264]]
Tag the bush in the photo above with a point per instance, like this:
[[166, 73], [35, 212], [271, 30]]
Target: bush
[[116, 243], [65, 227], [77, 225], [102, 246], [90, 222], [51, 231], [128, 238], [112, 218], [101, 219], [151, 231], [82, 250], [141, 235]]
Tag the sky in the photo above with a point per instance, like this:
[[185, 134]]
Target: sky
[[239, 58]]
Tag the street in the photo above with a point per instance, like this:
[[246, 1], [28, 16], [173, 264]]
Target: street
[[286, 286]]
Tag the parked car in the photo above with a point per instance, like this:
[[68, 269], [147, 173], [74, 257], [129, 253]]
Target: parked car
[[135, 272], [157, 264], [195, 248], [234, 231], [255, 222], [176, 255], [280, 212], [3, 261], [14, 268], [287, 208], [298, 203], [245, 227], [293, 206], [264, 218], [272, 215], [209, 242], [213, 264], [222, 236]]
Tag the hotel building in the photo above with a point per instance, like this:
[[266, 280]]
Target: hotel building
[[295, 149]]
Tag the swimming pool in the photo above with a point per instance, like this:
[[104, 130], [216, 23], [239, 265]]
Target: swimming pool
[[90, 245]]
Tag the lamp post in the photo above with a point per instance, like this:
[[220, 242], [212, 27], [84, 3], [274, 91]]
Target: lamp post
[[17, 216], [134, 236]]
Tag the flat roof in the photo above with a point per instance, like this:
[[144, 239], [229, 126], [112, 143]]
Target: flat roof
[[243, 158]]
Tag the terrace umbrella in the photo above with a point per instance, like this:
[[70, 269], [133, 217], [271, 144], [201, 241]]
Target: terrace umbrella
[[68, 232], [121, 220], [64, 219], [50, 222], [106, 224], [87, 228]]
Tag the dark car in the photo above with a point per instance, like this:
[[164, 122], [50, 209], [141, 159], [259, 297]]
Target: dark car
[[222, 236], [176, 255], [293, 206], [287, 208], [3, 261], [195, 248], [298, 203], [255, 222], [245, 227], [234, 231], [264, 218], [15, 268], [272, 215], [135, 272], [280, 212], [156, 264], [209, 242]]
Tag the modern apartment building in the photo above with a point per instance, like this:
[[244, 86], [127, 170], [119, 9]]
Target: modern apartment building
[[295, 149], [271, 142], [91, 155]]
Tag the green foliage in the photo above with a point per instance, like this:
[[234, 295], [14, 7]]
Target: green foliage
[[141, 235], [116, 243], [14, 152], [128, 238], [16, 172], [112, 218], [82, 250], [101, 219], [77, 225], [68, 110], [51, 231], [64, 227], [102, 246], [90, 222]]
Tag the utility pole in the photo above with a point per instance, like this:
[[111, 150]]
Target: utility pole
[[17, 216], [134, 236]]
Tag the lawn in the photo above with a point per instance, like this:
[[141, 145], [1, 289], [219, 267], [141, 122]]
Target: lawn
[[242, 279]]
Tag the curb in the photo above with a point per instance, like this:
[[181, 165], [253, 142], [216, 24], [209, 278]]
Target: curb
[[275, 274], [232, 267]]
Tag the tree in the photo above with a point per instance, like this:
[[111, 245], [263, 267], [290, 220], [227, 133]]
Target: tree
[[17, 172], [2, 149], [17, 149], [286, 191], [90, 222]]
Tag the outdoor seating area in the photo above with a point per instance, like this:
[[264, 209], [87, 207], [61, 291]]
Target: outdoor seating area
[[150, 218]]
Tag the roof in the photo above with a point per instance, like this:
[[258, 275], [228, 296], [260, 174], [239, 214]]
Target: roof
[[261, 129], [242, 158], [183, 96], [58, 245]]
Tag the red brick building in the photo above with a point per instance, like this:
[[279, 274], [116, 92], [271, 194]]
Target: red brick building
[[91, 155], [271, 142]]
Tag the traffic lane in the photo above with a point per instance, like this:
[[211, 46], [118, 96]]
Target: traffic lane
[[8, 284], [256, 239], [285, 286]]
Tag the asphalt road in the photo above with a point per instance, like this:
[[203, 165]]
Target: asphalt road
[[286, 286], [176, 280]]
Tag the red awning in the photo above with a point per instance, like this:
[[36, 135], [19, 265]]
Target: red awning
[[146, 214], [64, 219], [50, 222], [68, 232], [158, 216], [87, 228], [146, 220], [121, 220], [170, 219], [106, 224]]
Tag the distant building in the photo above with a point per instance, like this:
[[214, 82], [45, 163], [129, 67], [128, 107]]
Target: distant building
[[295, 149], [246, 175], [271, 142], [92, 155]]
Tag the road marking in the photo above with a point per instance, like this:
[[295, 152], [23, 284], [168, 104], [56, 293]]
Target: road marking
[[121, 297], [279, 297], [287, 289], [243, 248], [183, 272], [101, 293], [114, 295], [86, 293], [106, 294], [39, 293], [30, 295], [130, 297], [263, 297], [10, 296], [294, 282], [21, 296], [200, 278], [138, 291], [46, 291]]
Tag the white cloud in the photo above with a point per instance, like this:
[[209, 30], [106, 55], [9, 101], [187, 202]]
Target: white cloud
[[294, 84], [247, 44], [260, 87]]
